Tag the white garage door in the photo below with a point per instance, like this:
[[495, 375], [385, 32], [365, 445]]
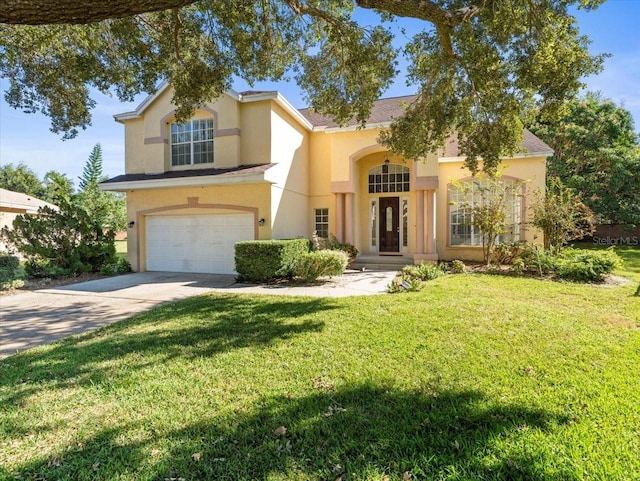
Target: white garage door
[[196, 243]]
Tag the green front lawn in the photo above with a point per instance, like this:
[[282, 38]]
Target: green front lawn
[[121, 248], [474, 377]]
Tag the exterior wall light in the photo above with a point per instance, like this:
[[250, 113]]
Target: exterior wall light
[[261, 222]]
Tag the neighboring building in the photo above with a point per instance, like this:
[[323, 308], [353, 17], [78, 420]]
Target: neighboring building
[[251, 166], [13, 204]]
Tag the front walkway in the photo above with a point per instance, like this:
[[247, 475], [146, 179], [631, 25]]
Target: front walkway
[[33, 318]]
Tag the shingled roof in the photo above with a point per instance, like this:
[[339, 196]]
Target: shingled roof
[[383, 110], [176, 174], [387, 110], [19, 201], [530, 144]]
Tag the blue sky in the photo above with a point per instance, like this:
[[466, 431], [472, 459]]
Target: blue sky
[[26, 138]]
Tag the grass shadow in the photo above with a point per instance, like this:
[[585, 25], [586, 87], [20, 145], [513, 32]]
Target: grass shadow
[[201, 326], [357, 432]]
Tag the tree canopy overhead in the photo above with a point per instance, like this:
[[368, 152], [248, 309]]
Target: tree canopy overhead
[[481, 67]]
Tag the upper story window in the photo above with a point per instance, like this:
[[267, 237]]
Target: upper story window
[[389, 178], [192, 142]]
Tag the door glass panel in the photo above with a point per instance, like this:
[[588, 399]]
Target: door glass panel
[[405, 221], [389, 214], [374, 224]]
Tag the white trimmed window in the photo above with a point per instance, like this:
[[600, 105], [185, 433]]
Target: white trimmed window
[[192, 142], [477, 192], [388, 178], [321, 223]]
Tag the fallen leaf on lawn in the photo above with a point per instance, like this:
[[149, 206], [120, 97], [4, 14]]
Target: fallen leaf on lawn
[[281, 431], [196, 456], [319, 383], [386, 478], [340, 478], [407, 476], [456, 444]]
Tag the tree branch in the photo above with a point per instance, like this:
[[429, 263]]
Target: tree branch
[[444, 20], [42, 12]]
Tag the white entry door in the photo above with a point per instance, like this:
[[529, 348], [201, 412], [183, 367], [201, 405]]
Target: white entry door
[[196, 243]]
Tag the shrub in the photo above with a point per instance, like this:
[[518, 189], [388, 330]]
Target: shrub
[[8, 261], [507, 252], [585, 265], [260, 261], [119, 266], [42, 268], [637, 293], [66, 240], [316, 264], [458, 267], [422, 272], [332, 243], [11, 284], [536, 260], [561, 215], [8, 270], [404, 284], [517, 267]]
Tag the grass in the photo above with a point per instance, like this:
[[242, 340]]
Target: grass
[[475, 377], [121, 248]]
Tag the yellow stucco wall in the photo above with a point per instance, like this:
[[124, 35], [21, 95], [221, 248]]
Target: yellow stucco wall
[[290, 189], [147, 147], [531, 169], [255, 132], [309, 169], [163, 201]]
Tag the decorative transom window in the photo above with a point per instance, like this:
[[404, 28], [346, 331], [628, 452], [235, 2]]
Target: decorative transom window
[[466, 196], [389, 178], [192, 142], [321, 225]]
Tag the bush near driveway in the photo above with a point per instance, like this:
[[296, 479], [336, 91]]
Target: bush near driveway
[[265, 260], [316, 264], [10, 273]]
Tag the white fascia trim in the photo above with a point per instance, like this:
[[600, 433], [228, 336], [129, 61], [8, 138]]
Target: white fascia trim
[[184, 182], [29, 209], [352, 128], [283, 102], [527, 155]]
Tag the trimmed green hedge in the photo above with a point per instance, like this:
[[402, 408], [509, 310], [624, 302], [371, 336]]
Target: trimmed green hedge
[[316, 264], [264, 260]]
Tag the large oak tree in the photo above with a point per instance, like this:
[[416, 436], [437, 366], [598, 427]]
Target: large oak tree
[[481, 67], [597, 153]]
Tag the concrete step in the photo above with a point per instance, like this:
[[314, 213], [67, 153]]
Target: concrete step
[[380, 263]]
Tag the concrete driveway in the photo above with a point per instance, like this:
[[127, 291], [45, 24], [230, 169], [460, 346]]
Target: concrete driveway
[[33, 318]]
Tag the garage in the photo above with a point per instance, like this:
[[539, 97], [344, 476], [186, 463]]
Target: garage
[[196, 243]]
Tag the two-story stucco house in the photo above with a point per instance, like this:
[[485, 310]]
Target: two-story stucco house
[[251, 166]]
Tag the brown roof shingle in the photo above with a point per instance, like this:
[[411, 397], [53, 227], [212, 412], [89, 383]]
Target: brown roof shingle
[[386, 110], [530, 144], [383, 110], [176, 174]]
